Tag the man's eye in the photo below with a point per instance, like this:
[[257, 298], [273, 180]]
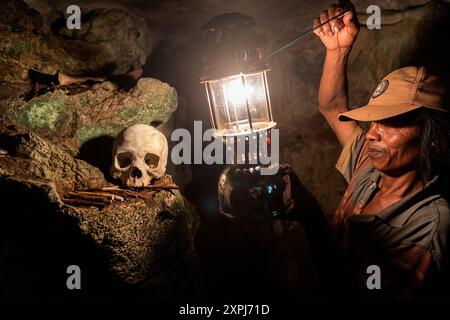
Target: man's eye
[[395, 123], [404, 120], [390, 123]]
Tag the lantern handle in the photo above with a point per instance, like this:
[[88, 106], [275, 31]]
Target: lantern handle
[[304, 35]]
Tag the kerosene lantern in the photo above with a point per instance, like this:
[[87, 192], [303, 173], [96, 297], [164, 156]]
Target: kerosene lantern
[[236, 82]]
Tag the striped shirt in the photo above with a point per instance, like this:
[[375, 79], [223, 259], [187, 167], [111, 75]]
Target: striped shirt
[[407, 240]]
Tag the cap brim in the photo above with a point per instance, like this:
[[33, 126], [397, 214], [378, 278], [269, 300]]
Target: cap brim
[[377, 112]]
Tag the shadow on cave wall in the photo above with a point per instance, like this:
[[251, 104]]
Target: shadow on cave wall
[[232, 266], [433, 34], [34, 256], [235, 261], [98, 152]]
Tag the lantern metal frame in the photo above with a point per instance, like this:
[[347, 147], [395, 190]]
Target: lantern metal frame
[[244, 59], [243, 126]]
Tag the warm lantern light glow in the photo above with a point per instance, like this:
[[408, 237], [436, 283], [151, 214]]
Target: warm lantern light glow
[[236, 93], [239, 104]]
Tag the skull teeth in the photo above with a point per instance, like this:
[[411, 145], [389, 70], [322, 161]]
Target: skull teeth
[[140, 141]]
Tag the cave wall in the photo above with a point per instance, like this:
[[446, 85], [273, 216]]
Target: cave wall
[[414, 31], [56, 135]]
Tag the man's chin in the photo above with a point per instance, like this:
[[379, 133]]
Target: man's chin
[[388, 171], [379, 165]]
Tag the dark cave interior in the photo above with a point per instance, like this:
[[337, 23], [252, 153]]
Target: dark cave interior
[[167, 41]]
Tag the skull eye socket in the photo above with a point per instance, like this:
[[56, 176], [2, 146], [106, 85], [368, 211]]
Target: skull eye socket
[[124, 159], [151, 160]]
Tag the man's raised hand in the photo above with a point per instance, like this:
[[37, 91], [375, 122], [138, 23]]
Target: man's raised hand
[[339, 33]]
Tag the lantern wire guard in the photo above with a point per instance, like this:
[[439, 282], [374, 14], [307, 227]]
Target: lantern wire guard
[[240, 104], [235, 80], [237, 88]]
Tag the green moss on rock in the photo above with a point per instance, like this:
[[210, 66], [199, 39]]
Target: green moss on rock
[[45, 112], [102, 110], [155, 100], [87, 132]]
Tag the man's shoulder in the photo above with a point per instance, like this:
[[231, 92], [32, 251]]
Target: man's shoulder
[[442, 215], [437, 214], [442, 207], [433, 215], [433, 210]]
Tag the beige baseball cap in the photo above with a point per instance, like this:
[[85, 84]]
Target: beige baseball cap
[[401, 91]]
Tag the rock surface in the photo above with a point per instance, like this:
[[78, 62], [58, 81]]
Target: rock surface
[[31, 155], [413, 31], [145, 241], [110, 42], [74, 118], [21, 36]]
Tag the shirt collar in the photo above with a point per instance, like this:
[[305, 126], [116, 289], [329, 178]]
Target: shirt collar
[[398, 213]]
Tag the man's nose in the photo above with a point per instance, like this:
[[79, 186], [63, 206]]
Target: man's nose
[[373, 134]]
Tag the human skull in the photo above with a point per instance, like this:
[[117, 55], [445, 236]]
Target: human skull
[[139, 155]]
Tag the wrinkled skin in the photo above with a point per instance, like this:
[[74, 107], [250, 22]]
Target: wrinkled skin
[[394, 145]]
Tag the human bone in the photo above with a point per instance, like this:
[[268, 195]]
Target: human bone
[[139, 155]]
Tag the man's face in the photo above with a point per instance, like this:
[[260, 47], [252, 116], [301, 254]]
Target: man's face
[[394, 144]]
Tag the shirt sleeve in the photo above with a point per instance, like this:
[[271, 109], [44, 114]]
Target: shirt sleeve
[[403, 272], [418, 267], [441, 239], [352, 153]]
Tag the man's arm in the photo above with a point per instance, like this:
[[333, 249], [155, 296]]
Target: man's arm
[[333, 96], [338, 37]]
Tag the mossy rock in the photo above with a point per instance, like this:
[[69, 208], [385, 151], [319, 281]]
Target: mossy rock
[[102, 110]]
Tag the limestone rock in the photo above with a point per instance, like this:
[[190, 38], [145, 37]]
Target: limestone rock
[[144, 237], [31, 155], [101, 110], [110, 42], [25, 44], [145, 241]]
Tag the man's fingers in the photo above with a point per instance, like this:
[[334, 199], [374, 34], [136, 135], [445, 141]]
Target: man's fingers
[[339, 21], [351, 22], [348, 18], [335, 25], [319, 32], [332, 12], [326, 27]]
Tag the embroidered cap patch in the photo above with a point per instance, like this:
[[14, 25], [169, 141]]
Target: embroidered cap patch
[[382, 86]]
